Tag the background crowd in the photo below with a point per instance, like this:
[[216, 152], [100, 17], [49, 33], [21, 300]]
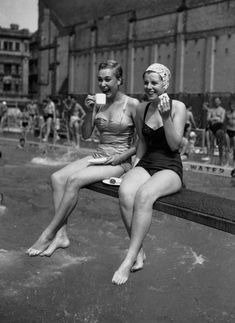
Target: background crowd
[[48, 120], [54, 119]]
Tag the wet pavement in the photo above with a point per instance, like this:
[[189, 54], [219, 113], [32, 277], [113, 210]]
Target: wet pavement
[[188, 275]]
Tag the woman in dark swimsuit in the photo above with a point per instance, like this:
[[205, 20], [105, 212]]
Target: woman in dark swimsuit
[[158, 168]]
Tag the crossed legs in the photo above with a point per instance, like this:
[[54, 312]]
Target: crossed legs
[[137, 193], [66, 184]]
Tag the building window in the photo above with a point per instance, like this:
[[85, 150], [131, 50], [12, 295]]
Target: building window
[[17, 47], [7, 45], [17, 67], [7, 87], [7, 69], [25, 47], [16, 87]]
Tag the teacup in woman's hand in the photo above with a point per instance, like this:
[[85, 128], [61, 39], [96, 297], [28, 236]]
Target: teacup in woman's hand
[[100, 98]]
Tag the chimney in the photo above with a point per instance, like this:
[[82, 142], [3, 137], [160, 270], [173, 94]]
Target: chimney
[[14, 27]]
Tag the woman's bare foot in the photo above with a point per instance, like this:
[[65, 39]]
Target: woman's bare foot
[[122, 274], [60, 241], [40, 245], [139, 263]]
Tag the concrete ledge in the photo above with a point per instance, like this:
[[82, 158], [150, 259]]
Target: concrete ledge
[[213, 211]]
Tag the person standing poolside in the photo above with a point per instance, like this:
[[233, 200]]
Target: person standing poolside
[[190, 121], [115, 121], [66, 114], [216, 120], [33, 113], [158, 168], [76, 117], [206, 110], [230, 126], [25, 121], [3, 115], [50, 118]]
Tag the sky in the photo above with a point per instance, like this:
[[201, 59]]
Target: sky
[[21, 12]]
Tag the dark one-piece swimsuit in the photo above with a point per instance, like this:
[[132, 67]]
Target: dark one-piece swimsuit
[[159, 155]]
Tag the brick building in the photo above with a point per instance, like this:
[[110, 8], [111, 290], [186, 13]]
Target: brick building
[[194, 38], [14, 62]]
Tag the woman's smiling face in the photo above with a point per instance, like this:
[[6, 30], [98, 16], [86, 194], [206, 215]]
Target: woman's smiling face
[[108, 82], [153, 85]]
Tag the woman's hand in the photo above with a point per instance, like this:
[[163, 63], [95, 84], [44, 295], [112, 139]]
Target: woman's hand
[[90, 102], [114, 160], [164, 106]]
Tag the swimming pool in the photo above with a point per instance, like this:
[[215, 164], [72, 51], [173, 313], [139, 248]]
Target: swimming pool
[[48, 155], [188, 275]]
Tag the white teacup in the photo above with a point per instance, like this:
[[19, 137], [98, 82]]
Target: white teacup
[[100, 98]]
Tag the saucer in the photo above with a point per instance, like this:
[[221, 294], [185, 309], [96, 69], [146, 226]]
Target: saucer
[[115, 181]]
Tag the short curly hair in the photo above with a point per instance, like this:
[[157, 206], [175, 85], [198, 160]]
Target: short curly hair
[[112, 64]]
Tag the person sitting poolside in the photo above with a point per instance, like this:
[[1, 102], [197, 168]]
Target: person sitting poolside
[[158, 167], [115, 121]]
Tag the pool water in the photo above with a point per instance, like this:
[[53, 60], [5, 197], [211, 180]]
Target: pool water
[[188, 275]]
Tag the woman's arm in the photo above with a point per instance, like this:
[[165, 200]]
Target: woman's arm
[[222, 115], [119, 158], [174, 120], [141, 145], [140, 150], [191, 119], [88, 123], [83, 113]]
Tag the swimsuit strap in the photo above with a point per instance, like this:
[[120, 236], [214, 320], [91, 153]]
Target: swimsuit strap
[[146, 110], [125, 103], [148, 105]]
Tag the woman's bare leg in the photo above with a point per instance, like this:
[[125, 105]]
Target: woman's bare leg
[[75, 181], [76, 134], [212, 146], [131, 183], [58, 180], [61, 239], [160, 184]]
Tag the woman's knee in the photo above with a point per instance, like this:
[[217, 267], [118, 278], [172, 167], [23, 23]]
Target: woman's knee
[[145, 198], [73, 183], [55, 180], [126, 194]]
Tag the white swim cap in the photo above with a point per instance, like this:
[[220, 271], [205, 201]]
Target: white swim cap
[[163, 71]]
